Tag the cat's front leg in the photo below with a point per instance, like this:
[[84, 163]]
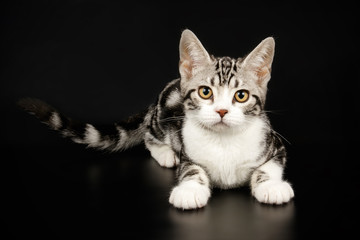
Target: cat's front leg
[[267, 185], [193, 188]]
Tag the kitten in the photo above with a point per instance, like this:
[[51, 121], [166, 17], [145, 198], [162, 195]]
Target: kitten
[[211, 122]]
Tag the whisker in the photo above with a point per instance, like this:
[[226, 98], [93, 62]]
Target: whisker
[[281, 136], [169, 119], [279, 111]]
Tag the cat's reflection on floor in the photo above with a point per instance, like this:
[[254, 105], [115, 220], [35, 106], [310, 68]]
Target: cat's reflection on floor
[[234, 213]]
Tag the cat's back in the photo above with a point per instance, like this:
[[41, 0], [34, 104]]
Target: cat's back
[[167, 116], [170, 104]]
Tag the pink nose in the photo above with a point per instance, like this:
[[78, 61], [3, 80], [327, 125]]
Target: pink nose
[[222, 112]]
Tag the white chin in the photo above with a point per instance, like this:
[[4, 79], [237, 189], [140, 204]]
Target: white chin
[[221, 125], [218, 126]]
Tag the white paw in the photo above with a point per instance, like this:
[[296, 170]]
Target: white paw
[[190, 195], [273, 192], [165, 156]]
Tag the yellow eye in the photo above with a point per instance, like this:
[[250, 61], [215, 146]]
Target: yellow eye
[[205, 92], [241, 96]]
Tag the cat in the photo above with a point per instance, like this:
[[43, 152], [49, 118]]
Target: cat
[[210, 124]]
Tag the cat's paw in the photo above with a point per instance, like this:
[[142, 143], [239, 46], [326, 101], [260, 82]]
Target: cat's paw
[[189, 195], [165, 156], [273, 192]]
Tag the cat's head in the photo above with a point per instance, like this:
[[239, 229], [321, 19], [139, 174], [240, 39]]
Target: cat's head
[[223, 93]]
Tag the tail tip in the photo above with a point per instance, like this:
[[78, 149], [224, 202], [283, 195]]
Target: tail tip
[[34, 106]]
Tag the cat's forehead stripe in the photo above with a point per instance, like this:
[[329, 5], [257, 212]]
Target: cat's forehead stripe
[[226, 68]]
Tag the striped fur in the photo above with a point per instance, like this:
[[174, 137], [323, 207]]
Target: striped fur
[[117, 136], [216, 141]]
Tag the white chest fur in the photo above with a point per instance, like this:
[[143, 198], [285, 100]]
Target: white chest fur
[[229, 157]]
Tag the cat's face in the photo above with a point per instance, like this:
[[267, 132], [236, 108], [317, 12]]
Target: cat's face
[[220, 99], [223, 93]]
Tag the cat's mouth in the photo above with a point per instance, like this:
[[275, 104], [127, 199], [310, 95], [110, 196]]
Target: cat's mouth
[[221, 123], [215, 124]]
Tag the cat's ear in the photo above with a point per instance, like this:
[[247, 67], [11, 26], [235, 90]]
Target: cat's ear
[[259, 61], [193, 55]]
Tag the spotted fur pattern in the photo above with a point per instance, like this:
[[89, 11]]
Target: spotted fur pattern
[[235, 148]]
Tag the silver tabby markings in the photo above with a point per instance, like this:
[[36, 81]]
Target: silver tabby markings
[[210, 123]]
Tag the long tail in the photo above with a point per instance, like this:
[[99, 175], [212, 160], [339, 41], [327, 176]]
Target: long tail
[[117, 136]]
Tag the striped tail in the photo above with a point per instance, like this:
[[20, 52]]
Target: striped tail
[[118, 136]]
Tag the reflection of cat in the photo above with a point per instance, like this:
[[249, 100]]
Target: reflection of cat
[[210, 122]]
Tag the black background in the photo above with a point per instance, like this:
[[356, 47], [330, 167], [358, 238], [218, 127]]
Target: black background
[[101, 61]]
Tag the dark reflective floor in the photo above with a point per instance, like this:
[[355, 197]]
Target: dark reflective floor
[[68, 190], [234, 215]]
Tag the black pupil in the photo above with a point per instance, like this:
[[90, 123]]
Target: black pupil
[[206, 91], [241, 94]]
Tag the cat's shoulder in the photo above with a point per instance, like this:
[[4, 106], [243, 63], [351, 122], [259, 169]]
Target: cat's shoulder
[[171, 95]]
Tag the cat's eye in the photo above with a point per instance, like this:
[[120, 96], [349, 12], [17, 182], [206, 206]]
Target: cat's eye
[[205, 92], [241, 96]]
